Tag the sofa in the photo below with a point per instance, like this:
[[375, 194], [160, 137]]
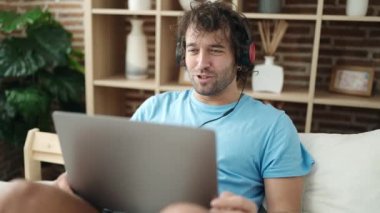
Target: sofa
[[345, 176]]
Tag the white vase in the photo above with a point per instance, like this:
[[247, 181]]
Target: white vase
[[269, 77], [137, 52], [139, 4], [185, 4], [356, 7]]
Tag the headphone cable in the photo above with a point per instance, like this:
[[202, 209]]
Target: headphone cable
[[228, 111]]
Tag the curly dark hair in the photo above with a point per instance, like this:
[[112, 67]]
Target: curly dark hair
[[211, 17]]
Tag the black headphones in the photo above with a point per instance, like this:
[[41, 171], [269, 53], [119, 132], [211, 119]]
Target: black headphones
[[245, 57], [248, 52]]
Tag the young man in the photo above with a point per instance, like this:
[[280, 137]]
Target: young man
[[258, 149]]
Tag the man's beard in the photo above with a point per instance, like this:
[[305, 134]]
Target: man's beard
[[213, 88]]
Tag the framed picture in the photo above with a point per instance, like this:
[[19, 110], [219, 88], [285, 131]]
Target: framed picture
[[183, 77], [353, 80]]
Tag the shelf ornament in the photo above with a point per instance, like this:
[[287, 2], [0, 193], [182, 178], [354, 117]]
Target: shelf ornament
[[186, 4], [139, 4], [270, 6], [137, 52], [356, 7], [269, 77]]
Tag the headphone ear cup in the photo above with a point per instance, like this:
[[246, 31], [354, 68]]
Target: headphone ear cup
[[252, 53], [248, 55]]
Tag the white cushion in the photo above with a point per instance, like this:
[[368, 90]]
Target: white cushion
[[346, 174]]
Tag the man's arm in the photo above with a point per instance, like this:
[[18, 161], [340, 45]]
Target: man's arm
[[284, 195]]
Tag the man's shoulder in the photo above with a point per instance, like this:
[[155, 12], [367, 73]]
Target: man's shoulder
[[160, 105], [257, 107]]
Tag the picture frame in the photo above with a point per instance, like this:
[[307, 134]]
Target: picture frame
[[352, 80], [183, 78]]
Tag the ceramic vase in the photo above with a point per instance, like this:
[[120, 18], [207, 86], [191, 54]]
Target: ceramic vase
[[270, 6], [139, 4], [356, 7], [268, 77], [137, 52]]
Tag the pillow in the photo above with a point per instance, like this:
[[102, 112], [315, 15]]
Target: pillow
[[346, 173]]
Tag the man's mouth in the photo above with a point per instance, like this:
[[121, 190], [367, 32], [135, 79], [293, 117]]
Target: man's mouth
[[203, 76], [204, 79]]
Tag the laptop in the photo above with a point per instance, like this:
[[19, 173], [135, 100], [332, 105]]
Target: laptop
[[128, 166]]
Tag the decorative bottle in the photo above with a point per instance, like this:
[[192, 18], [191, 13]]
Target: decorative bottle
[[268, 77], [139, 4], [356, 7], [186, 4], [137, 52]]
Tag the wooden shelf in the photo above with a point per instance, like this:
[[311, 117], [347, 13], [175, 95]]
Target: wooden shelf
[[280, 16], [351, 18], [172, 13], [327, 98], [123, 12], [297, 95], [121, 82]]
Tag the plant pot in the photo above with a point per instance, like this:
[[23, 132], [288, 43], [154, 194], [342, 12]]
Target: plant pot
[[356, 7], [137, 52], [268, 77]]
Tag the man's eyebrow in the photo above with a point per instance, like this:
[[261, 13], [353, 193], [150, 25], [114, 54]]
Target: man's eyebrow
[[190, 44], [218, 46]]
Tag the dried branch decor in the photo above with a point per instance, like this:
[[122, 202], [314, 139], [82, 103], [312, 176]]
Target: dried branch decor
[[271, 35]]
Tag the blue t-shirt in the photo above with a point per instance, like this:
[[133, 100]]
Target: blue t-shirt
[[254, 142]]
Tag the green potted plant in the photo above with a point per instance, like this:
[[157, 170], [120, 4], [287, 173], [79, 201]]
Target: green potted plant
[[39, 73]]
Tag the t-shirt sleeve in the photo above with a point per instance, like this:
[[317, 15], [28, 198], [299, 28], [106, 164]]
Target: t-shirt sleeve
[[284, 155]]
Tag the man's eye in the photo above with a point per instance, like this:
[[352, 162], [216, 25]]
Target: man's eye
[[192, 51], [216, 51]]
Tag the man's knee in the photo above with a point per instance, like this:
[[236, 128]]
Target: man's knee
[[15, 192], [184, 208], [36, 197]]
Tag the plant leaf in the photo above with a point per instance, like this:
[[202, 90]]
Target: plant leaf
[[63, 84], [53, 42], [11, 21], [18, 58], [76, 60], [30, 102]]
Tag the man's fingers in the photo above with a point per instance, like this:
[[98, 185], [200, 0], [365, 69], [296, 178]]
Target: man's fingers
[[226, 194], [231, 202], [63, 184], [225, 211]]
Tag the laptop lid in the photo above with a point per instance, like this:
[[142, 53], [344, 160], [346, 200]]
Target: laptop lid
[[129, 166]]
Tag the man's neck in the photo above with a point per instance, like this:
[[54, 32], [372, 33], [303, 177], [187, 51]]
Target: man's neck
[[227, 96]]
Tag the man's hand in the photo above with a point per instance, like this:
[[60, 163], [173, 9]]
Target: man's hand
[[228, 202], [62, 183]]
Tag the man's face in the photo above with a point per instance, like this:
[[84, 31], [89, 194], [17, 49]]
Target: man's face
[[209, 61]]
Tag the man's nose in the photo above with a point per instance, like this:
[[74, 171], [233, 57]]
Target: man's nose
[[203, 60]]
